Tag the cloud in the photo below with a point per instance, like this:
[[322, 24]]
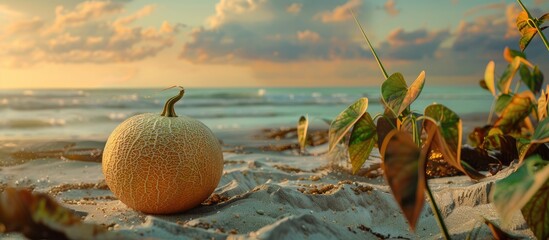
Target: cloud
[[390, 8], [227, 9], [240, 32], [483, 8], [25, 25], [83, 12], [340, 13], [413, 45], [8, 12], [308, 36], [92, 32], [294, 8], [488, 34]]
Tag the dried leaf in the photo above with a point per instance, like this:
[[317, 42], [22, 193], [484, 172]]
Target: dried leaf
[[514, 113], [498, 233], [302, 126], [413, 92], [38, 216], [508, 74], [510, 54], [502, 102], [543, 107], [384, 126], [404, 168], [527, 32], [345, 120], [489, 78]]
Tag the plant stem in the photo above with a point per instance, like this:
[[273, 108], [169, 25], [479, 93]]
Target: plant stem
[[517, 86], [169, 109], [535, 25], [371, 48], [436, 212], [492, 109]]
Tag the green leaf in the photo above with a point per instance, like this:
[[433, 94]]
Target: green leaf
[[413, 92], [345, 120], [537, 80], [515, 191], [502, 102], [533, 80], [489, 78], [404, 170], [518, 108], [536, 212], [541, 134], [447, 140], [393, 92], [508, 74], [510, 54], [363, 139], [302, 126]]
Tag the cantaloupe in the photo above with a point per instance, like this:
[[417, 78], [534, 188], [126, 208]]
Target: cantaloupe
[[162, 163]]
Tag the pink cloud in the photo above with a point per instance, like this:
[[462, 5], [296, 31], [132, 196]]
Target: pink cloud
[[340, 13], [308, 36], [390, 8]]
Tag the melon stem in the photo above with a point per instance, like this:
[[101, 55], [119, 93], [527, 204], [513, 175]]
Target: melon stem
[[169, 110]]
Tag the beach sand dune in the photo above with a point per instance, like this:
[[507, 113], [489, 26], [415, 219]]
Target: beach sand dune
[[262, 195]]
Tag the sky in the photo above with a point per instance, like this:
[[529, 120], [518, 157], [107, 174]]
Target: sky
[[254, 43]]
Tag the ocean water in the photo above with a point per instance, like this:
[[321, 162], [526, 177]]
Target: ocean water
[[93, 114]]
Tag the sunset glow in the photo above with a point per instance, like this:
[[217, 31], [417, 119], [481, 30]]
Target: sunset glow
[[256, 43]]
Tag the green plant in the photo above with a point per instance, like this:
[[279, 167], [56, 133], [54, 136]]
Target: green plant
[[398, 133], [530, 26], [527, 188]]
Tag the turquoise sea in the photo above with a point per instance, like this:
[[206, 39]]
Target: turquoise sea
[[93, 114]]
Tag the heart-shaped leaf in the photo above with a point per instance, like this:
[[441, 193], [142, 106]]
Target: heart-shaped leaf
[[404, 170], [393, 92], [502, 102], [385, 125], [508, 74], [489, 78], [363, 139], [345, 120], [541, 136], [516, 110], [447, 139], [536, 212], [533, 80], [515, 191], [527, 32], [510, 54], [413, 92], [302, 126]]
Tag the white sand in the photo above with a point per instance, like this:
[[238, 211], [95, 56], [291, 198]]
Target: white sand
[[265, 202]]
